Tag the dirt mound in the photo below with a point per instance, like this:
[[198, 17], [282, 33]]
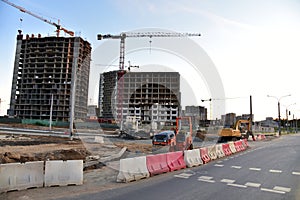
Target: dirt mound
[[40, 148]]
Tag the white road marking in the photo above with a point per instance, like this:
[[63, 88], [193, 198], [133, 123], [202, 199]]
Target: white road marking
[[183, 175], [274, 191], [296, 173], [227, 181], [275, 171], [237, 185], [206, 177], [250, 184], [206, 180], [236, 167], [255, 169], [283, 189], [231, 157], [220, 161], [218, 165]]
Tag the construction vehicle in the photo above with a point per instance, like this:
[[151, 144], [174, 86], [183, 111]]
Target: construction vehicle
[[57, 25], [178, 139], [240, 130]]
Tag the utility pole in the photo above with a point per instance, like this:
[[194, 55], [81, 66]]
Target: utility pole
[[278, 104], [51, 109], [250, 120]]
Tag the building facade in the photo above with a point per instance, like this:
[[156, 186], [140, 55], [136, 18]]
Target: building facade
[[149, 96], [46, 68]]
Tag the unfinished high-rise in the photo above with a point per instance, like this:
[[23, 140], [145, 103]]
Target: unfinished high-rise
[[149, 96], [47, 68]]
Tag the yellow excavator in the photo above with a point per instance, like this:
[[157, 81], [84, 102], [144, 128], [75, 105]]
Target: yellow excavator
[[241, 129]]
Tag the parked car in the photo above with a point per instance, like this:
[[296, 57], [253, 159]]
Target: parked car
[[164, 138]]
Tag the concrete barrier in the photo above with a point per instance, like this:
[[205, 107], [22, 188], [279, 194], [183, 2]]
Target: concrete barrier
[[175, 160], [192, 158], [157, 164], [212, 153], [62, 173], [132, 169], [219, 151], [20, 176], [232, 147], [204, 155]]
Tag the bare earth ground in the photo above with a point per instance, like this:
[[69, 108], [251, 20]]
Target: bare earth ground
[[24, 148]]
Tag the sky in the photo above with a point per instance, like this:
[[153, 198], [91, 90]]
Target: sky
[[253, 44]]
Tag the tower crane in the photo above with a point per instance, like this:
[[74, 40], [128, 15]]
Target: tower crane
[[122, 38], [125, 35], [58, 27]]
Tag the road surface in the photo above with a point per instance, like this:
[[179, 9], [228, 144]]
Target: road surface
[[271, 170]]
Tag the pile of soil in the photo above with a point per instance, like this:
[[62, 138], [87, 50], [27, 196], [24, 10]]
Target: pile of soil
[[23, 148]]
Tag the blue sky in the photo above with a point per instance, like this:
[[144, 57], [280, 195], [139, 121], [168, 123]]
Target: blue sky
[[254, 44]]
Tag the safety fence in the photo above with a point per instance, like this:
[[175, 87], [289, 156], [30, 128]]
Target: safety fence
[[20, 176], [132, 169]]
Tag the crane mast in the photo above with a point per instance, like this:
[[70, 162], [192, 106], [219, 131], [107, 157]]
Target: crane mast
[[58, 27]]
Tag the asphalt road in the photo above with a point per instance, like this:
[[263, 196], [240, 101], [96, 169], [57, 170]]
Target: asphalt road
[[269, 170]]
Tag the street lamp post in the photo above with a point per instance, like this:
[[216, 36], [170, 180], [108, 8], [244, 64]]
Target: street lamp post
[[287, 116], [279, 120]]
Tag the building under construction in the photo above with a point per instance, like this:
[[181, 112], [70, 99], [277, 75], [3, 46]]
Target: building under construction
[[149, 96], [47, 68]]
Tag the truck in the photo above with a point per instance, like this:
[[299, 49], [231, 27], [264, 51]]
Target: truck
[[178, 139], [240, 130]]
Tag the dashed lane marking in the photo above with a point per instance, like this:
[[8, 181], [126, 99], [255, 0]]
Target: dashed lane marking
[[275, 171], [270, 190], [283, 189], [183, 175], [255, 169], [237, 185], [236, 167], [218, 165], [206, 179], [296, 173], [227, 181], [250, 184]]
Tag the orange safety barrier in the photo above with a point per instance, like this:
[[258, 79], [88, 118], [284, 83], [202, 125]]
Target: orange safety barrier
[[226, 149], [204, 155], [157, 164], [175, 160]]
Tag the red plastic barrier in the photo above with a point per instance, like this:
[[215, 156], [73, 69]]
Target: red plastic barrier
[[204, 155], [241, 145], [226, 149], [263, 137], [157, 164], [175, 160], [237, 146], [246, 142]]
